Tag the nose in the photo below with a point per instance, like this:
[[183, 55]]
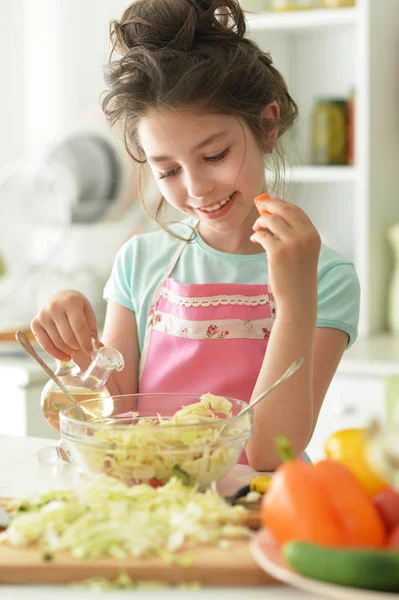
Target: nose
[[198, 185]]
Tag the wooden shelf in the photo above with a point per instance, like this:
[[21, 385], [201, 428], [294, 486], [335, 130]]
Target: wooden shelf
[[327, 53], [301, 20], [322, 174], [312, 174]]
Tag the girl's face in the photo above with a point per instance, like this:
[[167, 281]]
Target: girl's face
[[207, 165]]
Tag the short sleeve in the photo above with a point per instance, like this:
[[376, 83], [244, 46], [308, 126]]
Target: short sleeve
[[119, 285], [339, 299]]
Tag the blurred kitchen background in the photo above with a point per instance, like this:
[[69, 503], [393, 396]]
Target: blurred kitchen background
[[69, 192]]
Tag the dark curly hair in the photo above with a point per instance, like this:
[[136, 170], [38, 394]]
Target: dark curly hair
[[179, 53]]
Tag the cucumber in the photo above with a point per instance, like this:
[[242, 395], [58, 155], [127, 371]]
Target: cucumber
[[361, 568], [182, 475]]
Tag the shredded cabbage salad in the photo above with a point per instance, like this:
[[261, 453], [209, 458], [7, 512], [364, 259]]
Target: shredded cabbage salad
[[108, 518], [148, 450]]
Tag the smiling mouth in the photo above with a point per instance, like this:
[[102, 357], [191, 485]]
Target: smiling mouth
[[215, 207]]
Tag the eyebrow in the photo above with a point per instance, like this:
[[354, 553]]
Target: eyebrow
[[205, 142]]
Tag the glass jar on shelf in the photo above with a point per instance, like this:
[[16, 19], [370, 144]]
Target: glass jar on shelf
[[338, 3], [291, 5], [329, 132], [351, 108]]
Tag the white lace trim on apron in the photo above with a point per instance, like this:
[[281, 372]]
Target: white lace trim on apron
[[225, 300]]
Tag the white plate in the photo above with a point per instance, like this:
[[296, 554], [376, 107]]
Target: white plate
[[268, 556]]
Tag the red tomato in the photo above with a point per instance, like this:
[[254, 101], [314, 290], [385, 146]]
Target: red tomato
[[155, 483], [393, 540], [387, 504]]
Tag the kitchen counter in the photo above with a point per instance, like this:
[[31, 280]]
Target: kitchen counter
[[64, 593], [21, 474], [357, 390]]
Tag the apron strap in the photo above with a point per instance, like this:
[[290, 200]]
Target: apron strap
[[168, 271], [155, 299], [170, 268]]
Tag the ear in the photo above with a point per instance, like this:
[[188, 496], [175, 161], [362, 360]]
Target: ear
[[270, 113]]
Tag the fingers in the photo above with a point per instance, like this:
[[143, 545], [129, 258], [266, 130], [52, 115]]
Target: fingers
[[293, 215], [84, 327], [269, 228], [283, 222], [92, 322], [66, 325], [266, 239], [61, 328], [45, 342], [56, 327], [275, 224]]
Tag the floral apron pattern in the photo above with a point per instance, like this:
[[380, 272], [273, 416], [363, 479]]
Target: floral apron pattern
[[197, 334]]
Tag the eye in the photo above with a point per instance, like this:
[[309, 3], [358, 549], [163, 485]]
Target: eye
[[170, 173], [219, 156], [214, 158]]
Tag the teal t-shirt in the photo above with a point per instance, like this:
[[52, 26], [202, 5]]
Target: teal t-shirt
[[143, 260]]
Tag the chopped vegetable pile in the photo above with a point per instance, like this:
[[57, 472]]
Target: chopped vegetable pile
[[152, 448], [107, 518]]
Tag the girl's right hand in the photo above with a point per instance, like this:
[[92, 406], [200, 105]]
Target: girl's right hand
[[65, 325]]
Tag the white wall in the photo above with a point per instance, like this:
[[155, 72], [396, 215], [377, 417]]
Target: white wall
[[51, 58], [12, 49], [52, 54]]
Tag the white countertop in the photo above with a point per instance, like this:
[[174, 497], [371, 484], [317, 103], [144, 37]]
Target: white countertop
[[61, 593], [21, 474]]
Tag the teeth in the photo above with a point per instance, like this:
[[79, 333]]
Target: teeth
[[218, 205]]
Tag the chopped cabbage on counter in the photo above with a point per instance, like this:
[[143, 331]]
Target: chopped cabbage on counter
[[107, 518]]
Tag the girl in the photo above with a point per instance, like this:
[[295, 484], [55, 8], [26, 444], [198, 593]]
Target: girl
[[225, 300]]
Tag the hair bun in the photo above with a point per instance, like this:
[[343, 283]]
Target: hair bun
[[177, 24]]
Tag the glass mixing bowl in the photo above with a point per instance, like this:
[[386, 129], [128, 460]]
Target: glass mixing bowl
[[144, 447]]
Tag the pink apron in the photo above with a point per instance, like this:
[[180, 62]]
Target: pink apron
[[201, 338]]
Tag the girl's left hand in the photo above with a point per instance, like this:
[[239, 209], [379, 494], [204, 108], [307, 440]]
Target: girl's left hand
[[292, 245]]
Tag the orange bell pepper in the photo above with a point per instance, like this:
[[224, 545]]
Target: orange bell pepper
[[262, 198], [321, 503]]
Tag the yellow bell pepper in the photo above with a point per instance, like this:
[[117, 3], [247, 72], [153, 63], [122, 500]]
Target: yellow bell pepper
[[260, 483], [347, 446]]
